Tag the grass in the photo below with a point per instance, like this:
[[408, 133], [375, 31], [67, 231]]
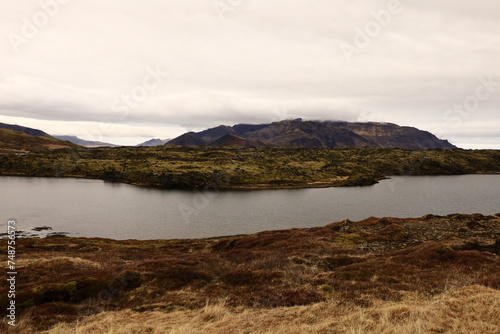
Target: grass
[[316, 280], [465, 310]]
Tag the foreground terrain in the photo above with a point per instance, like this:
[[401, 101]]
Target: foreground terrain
[[233, 167], [432, 274]]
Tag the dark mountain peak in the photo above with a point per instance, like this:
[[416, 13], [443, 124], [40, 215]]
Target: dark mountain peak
[[24, 129], [187, 139], [212, 134]]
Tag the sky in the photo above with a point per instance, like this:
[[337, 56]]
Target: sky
[[125, 71]]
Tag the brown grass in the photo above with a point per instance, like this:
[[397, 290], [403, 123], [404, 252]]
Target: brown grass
[[473, 309], [343, 274]]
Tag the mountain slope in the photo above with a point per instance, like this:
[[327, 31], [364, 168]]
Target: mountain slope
[[12, 141], [392, 135], [83, 142], [298, 133], [230, 139], [24, 129]]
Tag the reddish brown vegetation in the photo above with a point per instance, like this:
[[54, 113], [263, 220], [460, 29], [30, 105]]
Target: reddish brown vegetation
[[61, 279]]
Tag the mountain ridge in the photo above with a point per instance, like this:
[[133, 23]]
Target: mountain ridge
[[154, 142], [316, 134], [85, 143], [25, 129]]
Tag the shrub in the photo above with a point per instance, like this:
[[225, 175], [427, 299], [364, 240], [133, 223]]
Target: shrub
[[177, 276], [250, 277], [293, 297]]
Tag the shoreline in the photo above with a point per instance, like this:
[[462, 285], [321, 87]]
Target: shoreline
[[249, 169], [345, 222], [264, 186]]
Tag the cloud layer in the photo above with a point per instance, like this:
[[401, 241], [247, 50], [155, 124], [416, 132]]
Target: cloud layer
[[87, 65]]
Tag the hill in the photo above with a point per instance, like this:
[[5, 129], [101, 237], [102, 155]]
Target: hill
[[29, 131], [85, 143], [326, 134], [154, 142], [12, 141]]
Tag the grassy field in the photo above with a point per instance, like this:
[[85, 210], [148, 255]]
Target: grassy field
[[247, 168], [382, 275]]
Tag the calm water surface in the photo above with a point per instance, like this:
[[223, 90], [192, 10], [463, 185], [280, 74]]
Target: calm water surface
[[93, 208]]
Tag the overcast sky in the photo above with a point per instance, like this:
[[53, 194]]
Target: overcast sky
[[126, 71]]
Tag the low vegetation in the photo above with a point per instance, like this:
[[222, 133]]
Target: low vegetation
[[435, 274], [247, 168]]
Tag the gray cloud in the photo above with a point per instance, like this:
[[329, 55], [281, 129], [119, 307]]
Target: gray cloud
[[263, 61]]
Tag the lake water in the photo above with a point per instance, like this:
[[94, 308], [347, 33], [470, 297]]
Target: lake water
[[93, 208]]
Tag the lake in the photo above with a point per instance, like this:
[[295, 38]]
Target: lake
[[94, 208]]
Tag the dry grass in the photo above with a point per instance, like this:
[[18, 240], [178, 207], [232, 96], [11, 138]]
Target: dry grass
[[472, 309], [73, 263]]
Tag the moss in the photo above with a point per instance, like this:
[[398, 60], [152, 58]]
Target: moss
[[55, 292], [326, 289], [444, 248], [350, 240]]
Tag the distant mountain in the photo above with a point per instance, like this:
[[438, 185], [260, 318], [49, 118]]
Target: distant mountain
[[12, 141], [315, 134], [187, 139], [154, 142], [85, 143], [29, 131]]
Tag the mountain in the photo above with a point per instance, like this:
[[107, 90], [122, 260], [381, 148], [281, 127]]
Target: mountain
[[187, 139], [29, 131], [85, 143], [154, 142], [239, 129], [298, 133], [12, 141], [392, 135], [230, 139], [318, 134]]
